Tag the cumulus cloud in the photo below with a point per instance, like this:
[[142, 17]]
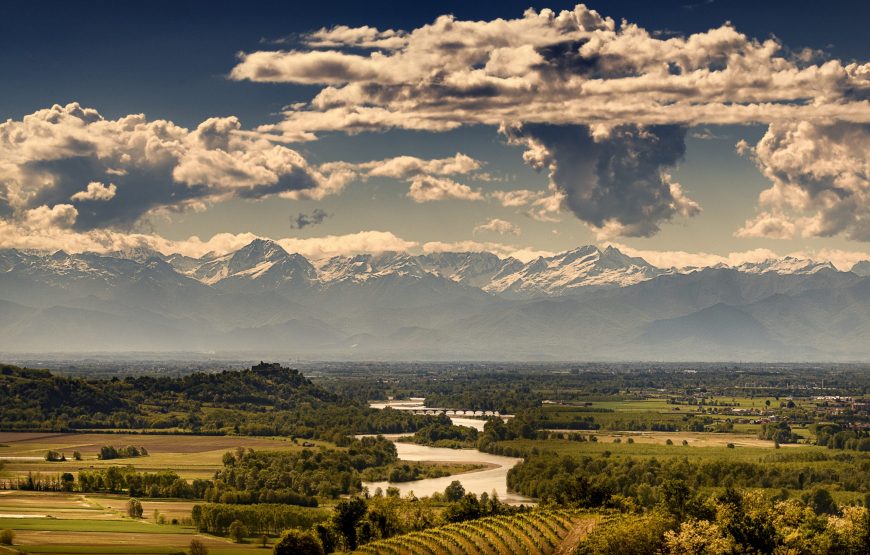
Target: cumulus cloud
[[44, 217], [524, 254], [96, 191], [579, 69], [303, 220], [496, 225], [425, 188], [425, 177], [843, 260], [516, 198], [571, 67], [150, 166], [820, 181], [360, 37], [614, 179], [35, 234], [406, 167]]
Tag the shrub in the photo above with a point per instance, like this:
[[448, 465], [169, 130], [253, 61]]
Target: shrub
[[297, 542], [197, 547], [238, 531], [641, 535], [7, 537]]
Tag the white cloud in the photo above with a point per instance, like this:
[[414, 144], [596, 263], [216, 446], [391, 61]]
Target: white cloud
[[407, 167], [360, 37], [96, 191], [496, 225], [58, 216], [151, 166], [426, 188], [571, 67], [523, 254], [820, 175], [771, 226], [843, 260], [516, 198]]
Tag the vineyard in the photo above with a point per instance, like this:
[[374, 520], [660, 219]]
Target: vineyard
[[534, 533]]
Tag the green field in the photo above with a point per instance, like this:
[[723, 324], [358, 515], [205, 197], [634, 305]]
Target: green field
[[188, 455], [75, 523]]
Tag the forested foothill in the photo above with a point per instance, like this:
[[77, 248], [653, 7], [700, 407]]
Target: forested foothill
[[265, 400]]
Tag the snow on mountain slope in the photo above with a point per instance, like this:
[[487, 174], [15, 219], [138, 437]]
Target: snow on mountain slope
[[787, 265], [475, 269], [364, 267], [264, 265], [582, 267]]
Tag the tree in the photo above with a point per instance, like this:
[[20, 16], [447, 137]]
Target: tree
[[134, 508], [822, 502], [347, 514], [7, 537], [197, 547], [298, 542], [238, 531], [455, 491], [698, 537]]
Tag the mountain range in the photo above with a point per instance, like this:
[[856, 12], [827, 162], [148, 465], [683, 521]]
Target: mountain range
[[583, 304]]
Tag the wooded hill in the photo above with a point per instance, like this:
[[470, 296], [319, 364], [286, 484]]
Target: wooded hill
[[267, 399]]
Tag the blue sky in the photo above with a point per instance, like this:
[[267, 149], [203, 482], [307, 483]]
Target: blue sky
[[179, 62]]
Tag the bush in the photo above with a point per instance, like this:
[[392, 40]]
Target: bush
[[7, 537], [238, 531], [197, 547], [638, 535], [297, 542]]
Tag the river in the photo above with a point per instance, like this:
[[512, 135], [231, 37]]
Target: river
[[483, 481]]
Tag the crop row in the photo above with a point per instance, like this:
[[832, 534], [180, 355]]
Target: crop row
[[532, 533]]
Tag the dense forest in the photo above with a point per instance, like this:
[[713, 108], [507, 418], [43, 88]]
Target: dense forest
[[264, 400]]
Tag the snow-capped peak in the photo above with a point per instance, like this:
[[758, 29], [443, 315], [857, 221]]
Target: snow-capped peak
[[787, 265], [568, 271]]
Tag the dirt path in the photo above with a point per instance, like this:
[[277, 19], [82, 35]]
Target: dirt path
[[572, 540]]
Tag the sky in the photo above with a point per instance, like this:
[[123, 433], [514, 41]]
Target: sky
[[686, 132]]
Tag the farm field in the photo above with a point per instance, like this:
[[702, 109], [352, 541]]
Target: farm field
[[535, 533], [694, 439], [188, 455], [60, 523], [654, 444]]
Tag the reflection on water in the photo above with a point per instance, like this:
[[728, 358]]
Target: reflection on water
[[473, 482]]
